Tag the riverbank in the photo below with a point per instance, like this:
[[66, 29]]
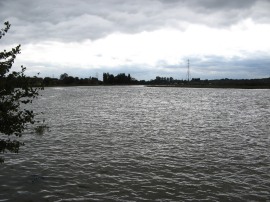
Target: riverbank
[[213, 86]]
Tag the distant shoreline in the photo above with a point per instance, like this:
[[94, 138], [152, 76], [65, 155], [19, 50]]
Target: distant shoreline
[[210, 86], [126, 80], [169, 86]]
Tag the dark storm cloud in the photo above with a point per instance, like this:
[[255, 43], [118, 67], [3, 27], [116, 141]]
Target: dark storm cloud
[[62, 20]]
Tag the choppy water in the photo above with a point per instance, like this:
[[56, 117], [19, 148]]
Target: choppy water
[[138, 143]]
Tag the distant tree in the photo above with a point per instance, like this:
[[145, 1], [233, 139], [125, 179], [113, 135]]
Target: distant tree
[[47, 81], [129, 78], [16, 91], [63, 76], [69, 80], [111, 79], [105, 78], [119, 79], [77, 80]]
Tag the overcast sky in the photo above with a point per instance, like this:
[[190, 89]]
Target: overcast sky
[[146, 38]]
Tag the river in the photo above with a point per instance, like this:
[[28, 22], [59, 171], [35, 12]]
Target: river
[[135, 143]]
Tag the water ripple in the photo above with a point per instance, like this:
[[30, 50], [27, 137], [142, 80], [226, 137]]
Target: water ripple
[[144, 144]]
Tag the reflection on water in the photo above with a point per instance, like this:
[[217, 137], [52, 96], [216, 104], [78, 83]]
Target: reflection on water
[[137, 143]]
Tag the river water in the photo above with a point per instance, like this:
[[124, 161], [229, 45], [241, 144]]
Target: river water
[[144, 144]]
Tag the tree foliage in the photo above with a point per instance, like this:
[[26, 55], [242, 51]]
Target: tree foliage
[[120, 79], [16, 92], [63, 76]]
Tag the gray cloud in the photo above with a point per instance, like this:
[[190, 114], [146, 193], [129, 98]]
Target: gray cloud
[[35, 21], [62, 20]]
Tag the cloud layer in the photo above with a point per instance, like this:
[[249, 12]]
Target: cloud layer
[[140, 36], [90, 19]]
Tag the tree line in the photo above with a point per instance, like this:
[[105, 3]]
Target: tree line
[[127, 79], [66, 80], [108, 79]]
